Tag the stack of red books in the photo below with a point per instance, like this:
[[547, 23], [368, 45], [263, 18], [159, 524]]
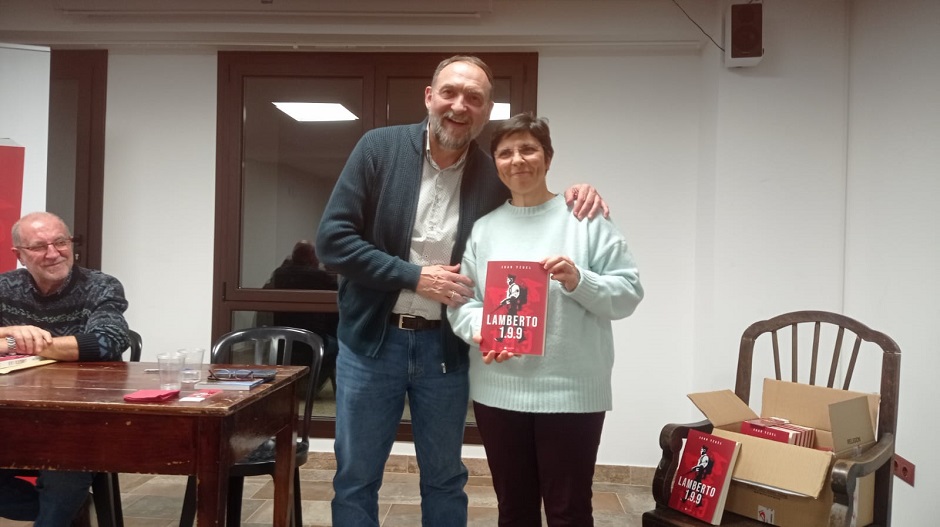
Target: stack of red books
[[778, 429]]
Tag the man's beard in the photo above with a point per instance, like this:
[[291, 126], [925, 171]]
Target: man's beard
[[446, 138]]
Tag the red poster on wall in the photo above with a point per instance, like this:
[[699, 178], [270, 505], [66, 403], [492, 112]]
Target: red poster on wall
[[11, 196]]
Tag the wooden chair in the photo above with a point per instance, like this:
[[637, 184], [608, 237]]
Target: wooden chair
[[870, 349], [270, 345]]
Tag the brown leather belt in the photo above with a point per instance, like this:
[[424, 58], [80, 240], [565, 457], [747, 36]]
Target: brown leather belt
[[412, 322]]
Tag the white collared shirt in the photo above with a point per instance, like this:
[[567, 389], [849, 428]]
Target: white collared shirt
[[435, 229]]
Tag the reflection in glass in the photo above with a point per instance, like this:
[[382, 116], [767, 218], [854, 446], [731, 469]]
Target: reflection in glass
[[289, 167]]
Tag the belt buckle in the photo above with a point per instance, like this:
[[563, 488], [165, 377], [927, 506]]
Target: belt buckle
[[401, 320]]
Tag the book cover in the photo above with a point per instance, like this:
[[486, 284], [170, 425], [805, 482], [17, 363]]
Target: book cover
[[227, 384], [703, 476], [7, 361], [515, 303], [11, 363]]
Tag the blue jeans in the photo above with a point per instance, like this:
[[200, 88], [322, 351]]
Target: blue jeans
[[53, 502], [370, 399]]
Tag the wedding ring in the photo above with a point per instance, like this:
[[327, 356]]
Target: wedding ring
[[451, 295]]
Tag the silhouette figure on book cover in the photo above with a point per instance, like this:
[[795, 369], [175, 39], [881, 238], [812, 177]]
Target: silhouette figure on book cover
[[701, 469], [515, 299]]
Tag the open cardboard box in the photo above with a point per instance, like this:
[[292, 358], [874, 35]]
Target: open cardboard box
[[788, 485]]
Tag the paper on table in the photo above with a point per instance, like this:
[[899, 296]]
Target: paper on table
[[198, 397], [23, 366]]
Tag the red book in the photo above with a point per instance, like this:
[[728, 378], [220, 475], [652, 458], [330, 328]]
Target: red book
[[770, 429], [807, 434], [703, 476], [779, 430], [515, 303], [759, 428]]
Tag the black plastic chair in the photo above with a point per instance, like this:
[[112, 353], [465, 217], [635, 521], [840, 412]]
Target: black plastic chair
[[271, 346], [137, 344]]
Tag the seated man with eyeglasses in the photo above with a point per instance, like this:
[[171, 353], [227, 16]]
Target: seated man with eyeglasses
[[61, 311]]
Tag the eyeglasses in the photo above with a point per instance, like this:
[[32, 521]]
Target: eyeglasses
[[224, 374], [60, 245]]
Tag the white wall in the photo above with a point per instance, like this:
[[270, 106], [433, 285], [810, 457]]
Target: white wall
[[893, 241], [806, 182], [24, 115], [159, 196], [634, 134], [779, 198]]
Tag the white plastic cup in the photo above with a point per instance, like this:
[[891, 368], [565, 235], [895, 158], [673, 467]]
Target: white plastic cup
[[171, 367], [192, 364]]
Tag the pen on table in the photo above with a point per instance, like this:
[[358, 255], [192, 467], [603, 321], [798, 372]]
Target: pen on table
[[151, 370]]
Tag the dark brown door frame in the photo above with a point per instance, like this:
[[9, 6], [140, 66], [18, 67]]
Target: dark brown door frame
[[89, 69]]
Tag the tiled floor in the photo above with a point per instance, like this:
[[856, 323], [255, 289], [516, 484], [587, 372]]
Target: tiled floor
[[155, 501]]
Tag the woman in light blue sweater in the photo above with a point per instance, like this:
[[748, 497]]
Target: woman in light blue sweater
[[541, 417]]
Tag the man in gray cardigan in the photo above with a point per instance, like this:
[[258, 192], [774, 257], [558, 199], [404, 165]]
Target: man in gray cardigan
[[395, 229]]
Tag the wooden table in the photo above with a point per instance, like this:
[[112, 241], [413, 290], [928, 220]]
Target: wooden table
[[72, 416]]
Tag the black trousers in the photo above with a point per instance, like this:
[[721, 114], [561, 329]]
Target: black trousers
[[541, 458]]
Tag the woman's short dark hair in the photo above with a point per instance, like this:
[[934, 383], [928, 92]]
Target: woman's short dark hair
[[521, 123]]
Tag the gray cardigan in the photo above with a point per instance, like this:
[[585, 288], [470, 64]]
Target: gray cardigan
[[365, 231]]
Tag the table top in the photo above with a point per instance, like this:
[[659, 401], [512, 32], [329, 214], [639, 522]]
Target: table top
[[101, 386]]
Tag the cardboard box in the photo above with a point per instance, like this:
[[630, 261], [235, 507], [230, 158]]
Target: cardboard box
[[788, 485]]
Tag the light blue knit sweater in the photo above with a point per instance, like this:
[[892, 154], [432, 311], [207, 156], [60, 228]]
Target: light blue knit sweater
[[574, 375]]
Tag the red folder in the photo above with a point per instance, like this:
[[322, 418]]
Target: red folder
[[11, 181], [151, 396]]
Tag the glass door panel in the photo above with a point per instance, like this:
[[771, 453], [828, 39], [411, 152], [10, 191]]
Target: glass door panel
[[289, 168]]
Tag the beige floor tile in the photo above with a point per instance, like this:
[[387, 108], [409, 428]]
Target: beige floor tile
[[156, 501]]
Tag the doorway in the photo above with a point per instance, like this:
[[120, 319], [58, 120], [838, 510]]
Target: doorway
[[75, 178]]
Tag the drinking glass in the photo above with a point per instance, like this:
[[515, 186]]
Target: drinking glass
[[192, 364], [171, 365]]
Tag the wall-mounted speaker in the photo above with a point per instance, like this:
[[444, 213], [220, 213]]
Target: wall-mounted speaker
[[744, 43]]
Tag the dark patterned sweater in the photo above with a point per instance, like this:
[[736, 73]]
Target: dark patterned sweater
[[89, 307]]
